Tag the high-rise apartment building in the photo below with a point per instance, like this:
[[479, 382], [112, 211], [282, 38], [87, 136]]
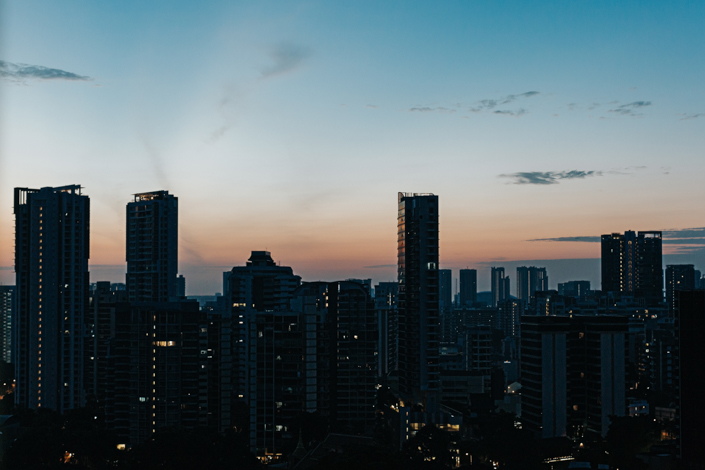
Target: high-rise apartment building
[[468, 287], [445, 288], [678, 277], [7, 308], [572, 372], [632, 265], [418, 301], [251, 290], [106, 299], [152, 247], [386, 307], [51, 265], [181, 286], [690, 335], [529, 280], [574, 288], [340, 358], [508, 316], [156, 371], [500, 286]]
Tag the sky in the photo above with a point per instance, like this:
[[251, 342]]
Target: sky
[[291, 126]]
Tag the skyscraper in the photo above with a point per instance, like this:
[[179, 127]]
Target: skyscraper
[[690, 332], [340, 357], [156, 369], [632, 265], [445, 280], [678, 277], [530, 280], [51, 264], [152, 247], [468, 287], [386, 294], [257, 288], [418, 301], [7, 307], [500, 286], [572, 372]]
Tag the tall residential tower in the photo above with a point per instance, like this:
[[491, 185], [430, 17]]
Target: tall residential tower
[[51, 265], [152, 247], [418, 301]]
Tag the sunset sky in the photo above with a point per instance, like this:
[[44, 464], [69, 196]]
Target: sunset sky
[[291, 126]]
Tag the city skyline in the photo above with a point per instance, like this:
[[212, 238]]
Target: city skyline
[[290, 128]]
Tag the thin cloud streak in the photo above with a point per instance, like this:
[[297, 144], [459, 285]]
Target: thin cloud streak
[[683, 241], [629, 108], [548, 177], [22, 72]]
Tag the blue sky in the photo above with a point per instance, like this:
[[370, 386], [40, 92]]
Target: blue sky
[[292, 125]]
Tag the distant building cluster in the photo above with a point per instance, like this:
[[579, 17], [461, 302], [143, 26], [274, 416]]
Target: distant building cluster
[[406, 353]]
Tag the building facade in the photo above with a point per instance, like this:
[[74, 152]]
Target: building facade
[[468, 287], [529, 280], [418, 301], [51, 264], [7, 308], [632, 265], [572, 373], [500, 286], [690, 333], [156, 372], [152, 247], [678, 277]]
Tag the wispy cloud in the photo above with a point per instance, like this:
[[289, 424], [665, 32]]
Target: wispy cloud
[[490, 104], [630, 108], [22, 72], [548, 177], [286, 58], [427, 109], [377, 266], [588, 239], [682, 241], [691, 116], [507, 112]]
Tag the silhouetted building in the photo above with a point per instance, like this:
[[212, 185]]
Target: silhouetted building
[[632, 265], [529, 280], [476, 342], [275, 395], [100, 328], [500, 286], [445, 288], [575, 289], [7, 308], [152, 247], [156, 369], [572, 372], [508, 316], [418, 301], [690, 330], [366, 284], [544, 376], [181, 286], [468, 287], [257, 288], [51, 265], [340, 353], [678, 277], [386, 307]]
